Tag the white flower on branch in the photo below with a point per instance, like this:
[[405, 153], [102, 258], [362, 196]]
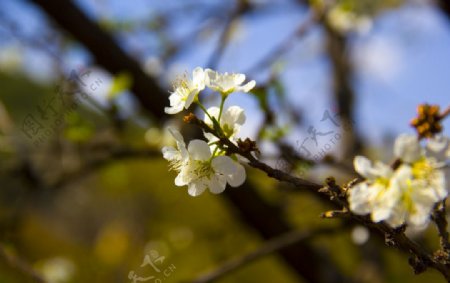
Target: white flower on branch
[[186, 91], [230, 122], [373, 195], [414, 201], [407, 194], [199, 168], [427, 163], [226, 83]]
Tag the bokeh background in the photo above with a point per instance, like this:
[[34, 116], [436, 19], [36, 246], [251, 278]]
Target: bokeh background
[[85, 195]]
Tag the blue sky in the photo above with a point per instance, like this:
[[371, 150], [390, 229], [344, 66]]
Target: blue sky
[[401, 62]]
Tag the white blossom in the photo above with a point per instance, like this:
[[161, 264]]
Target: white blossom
[[227, 83], [426, 163], [438, 148], [373, 195], [407, 148], [230, 122], [199, 169], [186, 91], [414, 200], [407, 194], [177, 157]]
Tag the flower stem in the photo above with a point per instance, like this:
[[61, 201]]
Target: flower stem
[[222, 102], [215, 151], [445, 113], [214, 121], [204, 110]]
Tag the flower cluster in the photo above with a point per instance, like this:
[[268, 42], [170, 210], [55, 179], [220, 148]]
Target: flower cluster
[[186, 90], [407, 193], [204, 164]]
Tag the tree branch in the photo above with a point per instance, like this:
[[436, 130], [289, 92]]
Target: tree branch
[[286, 45], [445, 7], [343, 92], [440, 218], [106, 52], [118, 154], [242, 8], [20, 265], [269, 247]]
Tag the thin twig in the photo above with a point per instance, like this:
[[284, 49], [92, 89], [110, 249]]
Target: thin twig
[[445, 113], [20, 265], [439, 217], [286, 45], [223, 39], [119, 154], [241, 8], [269, 247], [291, 155]]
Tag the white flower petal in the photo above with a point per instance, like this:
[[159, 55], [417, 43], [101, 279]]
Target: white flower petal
[[180, 143], [190, 98], [407, 148], [198, 78], [380, 214], [226, 83], [210, 73], [233, 115], [199, 150], [170, 153], [176, 134], [174, 109], [441, 182], [211, 138], [420, 216], [363, 166], [402, 175], [425, 197], [217, 184], [237, 78], [176, 102], [210, 76], [238, 178], [397, 217], [248, 86], [213, 112], [224, 165], [437, 147], [181, 180], [186, 90], [380, 169], [196, 188], [360, 198], [371, 171]]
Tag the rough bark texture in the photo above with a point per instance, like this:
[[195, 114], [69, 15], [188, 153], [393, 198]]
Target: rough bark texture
[[344, 95], [106, 52]]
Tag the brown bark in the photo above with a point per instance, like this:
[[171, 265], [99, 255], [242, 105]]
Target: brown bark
[[106, 52]]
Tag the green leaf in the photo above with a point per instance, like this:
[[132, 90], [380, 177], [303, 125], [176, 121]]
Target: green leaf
[[78, 129], [120, 83]]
